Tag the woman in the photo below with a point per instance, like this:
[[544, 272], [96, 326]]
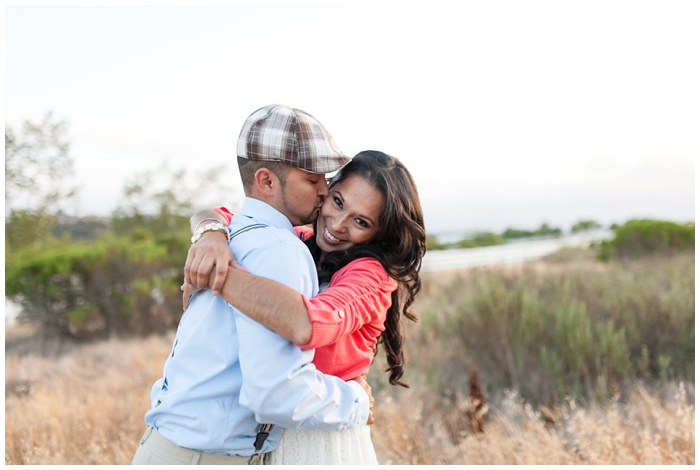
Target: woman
[[368, 243]]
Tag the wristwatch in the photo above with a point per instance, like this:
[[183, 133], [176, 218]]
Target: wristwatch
[[218, 226]]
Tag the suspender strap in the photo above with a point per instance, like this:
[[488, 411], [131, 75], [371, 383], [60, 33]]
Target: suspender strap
[[245, 229], [263, 429], [263, 432]]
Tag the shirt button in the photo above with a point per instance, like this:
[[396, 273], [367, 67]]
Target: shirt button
[[341, 313]]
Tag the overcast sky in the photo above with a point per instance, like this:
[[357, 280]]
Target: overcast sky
[[508, 113]]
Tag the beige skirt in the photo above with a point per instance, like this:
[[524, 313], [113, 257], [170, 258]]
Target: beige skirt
[[314, 447]]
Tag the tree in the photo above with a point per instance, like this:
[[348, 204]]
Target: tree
[[99, 284], [162, 200], [38, 168], [583, 225]]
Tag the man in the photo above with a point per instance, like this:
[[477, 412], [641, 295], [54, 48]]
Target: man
[[227, 373]]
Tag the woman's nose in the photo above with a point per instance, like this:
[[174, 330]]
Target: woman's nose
[[338, 224]]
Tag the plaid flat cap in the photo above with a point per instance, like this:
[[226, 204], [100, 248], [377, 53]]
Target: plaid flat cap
[[277, 133]]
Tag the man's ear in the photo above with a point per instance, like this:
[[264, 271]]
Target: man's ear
[[266, 182]]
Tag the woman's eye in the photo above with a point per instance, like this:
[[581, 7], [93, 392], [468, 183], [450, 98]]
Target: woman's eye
[[361, 223], [337, 201]]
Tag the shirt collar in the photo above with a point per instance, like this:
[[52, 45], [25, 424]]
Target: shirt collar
[[263, 212]]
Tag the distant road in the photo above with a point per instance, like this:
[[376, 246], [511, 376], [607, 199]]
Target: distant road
[[510, 253]]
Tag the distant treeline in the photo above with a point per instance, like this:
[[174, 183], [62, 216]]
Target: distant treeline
[[489, 238]]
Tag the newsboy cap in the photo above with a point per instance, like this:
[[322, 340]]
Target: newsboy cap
[[277, 133]]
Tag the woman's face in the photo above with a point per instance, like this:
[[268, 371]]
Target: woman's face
[[350, 215]]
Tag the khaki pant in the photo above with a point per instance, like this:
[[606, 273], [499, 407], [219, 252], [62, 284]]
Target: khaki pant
[[154, 449]]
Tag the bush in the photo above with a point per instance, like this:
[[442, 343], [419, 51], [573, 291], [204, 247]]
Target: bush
[[643, 237], [584, 225], [481, 239], [432, 243], [544, 231], [80, 290], [582, 329]]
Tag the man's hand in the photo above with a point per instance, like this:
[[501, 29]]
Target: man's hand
[[210, 253], [362, 380]]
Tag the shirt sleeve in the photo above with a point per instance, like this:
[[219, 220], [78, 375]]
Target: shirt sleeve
[[357, 294], [281, 385]]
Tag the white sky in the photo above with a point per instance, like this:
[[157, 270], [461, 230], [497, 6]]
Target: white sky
[[508, 113]]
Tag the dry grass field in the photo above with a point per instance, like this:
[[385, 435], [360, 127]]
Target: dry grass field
[[85, 405]]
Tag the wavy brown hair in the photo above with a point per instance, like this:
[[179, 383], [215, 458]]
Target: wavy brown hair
[[399, 246]]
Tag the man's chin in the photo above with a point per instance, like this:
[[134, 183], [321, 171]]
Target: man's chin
[[313, 217]]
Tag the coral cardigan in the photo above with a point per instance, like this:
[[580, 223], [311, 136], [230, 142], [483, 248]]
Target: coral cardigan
[[348, 316]]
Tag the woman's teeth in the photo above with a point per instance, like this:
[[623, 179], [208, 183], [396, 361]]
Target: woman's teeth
[[331, 237]]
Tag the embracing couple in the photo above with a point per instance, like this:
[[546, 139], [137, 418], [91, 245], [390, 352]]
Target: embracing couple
[[283, 319]]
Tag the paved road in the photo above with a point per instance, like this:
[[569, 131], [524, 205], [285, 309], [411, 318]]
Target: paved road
[[511, 253]]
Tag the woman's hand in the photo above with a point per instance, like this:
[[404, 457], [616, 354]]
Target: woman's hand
[[187, 291], [210, 254], [362, 380], [207, 265]]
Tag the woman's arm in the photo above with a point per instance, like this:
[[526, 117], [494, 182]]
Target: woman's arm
[[360, 293], [358, 297], [271, 303]]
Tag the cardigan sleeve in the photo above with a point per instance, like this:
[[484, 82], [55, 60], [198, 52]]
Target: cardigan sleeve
[[224, 212], [358, 294], [303, 232]]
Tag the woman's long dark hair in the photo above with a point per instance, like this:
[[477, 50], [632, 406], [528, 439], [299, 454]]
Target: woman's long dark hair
[[399, 245]]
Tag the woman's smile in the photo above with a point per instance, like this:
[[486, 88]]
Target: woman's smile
[[329, 237]]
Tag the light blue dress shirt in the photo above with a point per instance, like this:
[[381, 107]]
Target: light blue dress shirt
[[226, 373]]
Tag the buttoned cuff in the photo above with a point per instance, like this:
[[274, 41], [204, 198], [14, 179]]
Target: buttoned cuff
[[325, 320]]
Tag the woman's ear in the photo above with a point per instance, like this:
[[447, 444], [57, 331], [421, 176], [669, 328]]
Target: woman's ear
[[266, 182]]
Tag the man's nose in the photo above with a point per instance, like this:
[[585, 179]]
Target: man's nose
[[322, 187]]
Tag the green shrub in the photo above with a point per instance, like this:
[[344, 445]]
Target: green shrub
[[432, 243], [481, 239], [643, 237], [544, 231], [583, 225], [570, 329], [116, 285]]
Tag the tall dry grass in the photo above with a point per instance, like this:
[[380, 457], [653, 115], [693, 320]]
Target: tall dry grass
[[647, 430], [85, 405]]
